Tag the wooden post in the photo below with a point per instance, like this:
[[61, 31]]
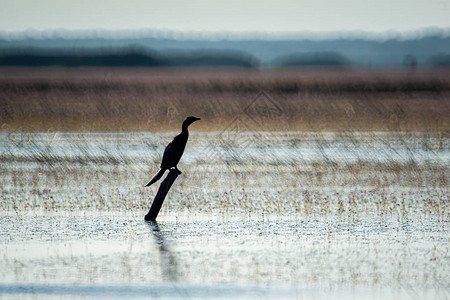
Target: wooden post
[[161, 194]]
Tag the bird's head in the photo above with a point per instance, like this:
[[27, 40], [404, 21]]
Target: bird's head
[[189, 121]]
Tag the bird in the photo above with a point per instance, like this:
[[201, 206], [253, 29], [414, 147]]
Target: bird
[[174, 150]]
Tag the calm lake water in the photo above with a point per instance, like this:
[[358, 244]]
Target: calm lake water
[[254, 215]]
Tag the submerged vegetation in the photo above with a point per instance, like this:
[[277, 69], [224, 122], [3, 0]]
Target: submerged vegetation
[[299, 173], [354, 209]]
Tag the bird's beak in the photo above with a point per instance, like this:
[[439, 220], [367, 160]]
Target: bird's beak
[[196, 119]]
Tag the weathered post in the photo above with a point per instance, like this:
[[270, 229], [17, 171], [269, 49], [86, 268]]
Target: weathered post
[[161, 194]]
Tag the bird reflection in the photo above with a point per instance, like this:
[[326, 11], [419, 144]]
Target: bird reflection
[[167, 259]]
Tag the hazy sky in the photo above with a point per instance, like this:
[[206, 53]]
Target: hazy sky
[[226, 15]]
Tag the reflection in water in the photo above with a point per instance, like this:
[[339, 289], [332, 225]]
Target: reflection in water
[[168, 263]]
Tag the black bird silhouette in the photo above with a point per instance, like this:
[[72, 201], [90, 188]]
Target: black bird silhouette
[[174, 150]]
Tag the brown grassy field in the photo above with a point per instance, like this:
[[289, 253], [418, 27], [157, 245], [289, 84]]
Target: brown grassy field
[[150, 99]]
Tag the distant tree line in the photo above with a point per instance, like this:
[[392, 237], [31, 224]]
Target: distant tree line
[[312, 59], [121, 57], [442, 59], [139, 56]]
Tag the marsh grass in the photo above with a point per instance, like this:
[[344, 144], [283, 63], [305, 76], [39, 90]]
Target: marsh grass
[[90, 99], [106, 172], [323, 210], [328, 179]]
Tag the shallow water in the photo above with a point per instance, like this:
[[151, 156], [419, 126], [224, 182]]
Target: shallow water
[[264, 147], [215, 255], [279, 226]]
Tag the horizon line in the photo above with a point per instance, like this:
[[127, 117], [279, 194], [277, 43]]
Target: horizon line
[[117, 34]]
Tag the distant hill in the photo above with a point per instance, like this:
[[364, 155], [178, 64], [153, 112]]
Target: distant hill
[[250, 52]]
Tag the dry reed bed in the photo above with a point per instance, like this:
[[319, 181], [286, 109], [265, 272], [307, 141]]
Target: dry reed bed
[[83, 99]]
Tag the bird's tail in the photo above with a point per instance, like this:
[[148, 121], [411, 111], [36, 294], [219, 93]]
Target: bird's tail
[[156, 177]]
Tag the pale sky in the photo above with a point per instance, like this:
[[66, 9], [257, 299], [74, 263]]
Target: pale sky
[[226, 15]]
